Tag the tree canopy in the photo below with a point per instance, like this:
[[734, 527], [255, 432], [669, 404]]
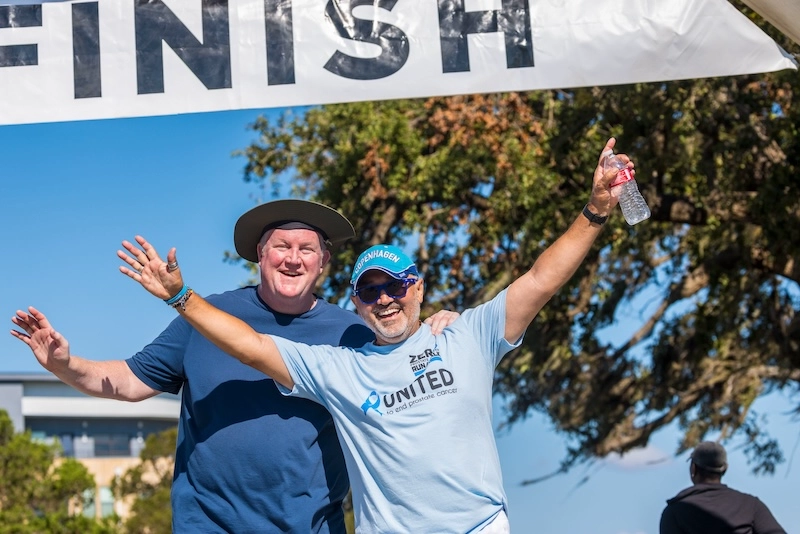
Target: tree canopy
[[147, 485], [37, 487], [684, 319]]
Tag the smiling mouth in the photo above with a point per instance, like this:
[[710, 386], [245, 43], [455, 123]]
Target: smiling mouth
[[387, 313]]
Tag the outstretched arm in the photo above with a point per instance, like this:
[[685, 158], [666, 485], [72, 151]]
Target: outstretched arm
[[229, 333], [111, 379], [556, 265]]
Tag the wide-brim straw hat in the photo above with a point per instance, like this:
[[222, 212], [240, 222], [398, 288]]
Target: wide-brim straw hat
[[331, 225]]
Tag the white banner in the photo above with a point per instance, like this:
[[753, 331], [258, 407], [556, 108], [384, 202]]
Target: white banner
[[66, 60]]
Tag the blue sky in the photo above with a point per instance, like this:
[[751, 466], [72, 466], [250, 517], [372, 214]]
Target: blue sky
[[70, 192]]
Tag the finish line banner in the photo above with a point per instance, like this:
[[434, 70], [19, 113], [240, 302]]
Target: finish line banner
[[71, 60]]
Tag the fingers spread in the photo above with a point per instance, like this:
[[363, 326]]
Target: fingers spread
[[132, 274], [25, 321], [39, 317], [137, 255], [21, 325], [149, 251], [135, 265], [25, 338]]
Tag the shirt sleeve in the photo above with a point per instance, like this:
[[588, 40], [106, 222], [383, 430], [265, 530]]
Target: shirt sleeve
[[314, 368], [160, 364], [488, 323]]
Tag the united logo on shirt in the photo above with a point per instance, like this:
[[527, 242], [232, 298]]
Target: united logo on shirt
[[373, 402], [427, 385]]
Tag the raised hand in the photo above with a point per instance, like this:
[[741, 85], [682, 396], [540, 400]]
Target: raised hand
[[50, 348], [601, 198], [161, 278]]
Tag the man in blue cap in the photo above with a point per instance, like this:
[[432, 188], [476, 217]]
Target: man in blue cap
[[248, 459], [711, 507], [413, 410]]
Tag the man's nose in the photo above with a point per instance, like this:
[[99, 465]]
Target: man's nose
[[384, 298], [293, 256]]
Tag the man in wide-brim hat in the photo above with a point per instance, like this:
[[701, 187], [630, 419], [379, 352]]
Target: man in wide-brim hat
[[248, 459]]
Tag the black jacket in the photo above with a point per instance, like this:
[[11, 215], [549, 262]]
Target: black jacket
[[717, 509]]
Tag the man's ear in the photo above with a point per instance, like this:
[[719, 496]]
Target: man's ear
[[261, 243], [421, 290], [326, 257]]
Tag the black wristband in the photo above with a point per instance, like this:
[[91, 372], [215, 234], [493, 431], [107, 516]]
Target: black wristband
[[593, 218]]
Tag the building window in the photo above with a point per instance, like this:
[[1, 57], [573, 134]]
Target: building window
[[66, 445], [83, 447], [137, 444], [89, 509], [111, 445], [106, 502]]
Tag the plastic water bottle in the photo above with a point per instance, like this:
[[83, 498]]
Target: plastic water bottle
[[634, 207]]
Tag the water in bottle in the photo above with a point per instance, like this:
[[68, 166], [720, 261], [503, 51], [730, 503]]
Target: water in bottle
[[634, 207]]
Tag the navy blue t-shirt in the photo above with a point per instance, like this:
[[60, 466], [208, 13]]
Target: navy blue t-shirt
[[249, 459]]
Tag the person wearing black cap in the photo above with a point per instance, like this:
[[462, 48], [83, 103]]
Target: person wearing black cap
[[413, 409], [248, 459], [711, 507]]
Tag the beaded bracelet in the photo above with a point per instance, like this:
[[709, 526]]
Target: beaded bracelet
[[177, 297], [182, 300]]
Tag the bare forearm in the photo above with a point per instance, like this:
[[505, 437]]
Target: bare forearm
[[111, 379], [559, 262], [237, 338], [556, 265]]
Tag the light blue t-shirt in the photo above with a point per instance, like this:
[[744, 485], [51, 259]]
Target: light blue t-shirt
[[415, 422]]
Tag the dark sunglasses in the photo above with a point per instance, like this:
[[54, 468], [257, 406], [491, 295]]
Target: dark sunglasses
[[395, 289]]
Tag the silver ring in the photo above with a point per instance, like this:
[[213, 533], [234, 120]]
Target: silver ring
[[172, 266], [140, 269]]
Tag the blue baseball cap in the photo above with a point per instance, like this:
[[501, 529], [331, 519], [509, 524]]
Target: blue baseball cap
[[386, 258]]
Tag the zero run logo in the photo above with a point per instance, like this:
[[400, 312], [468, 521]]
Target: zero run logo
[[419, 362]]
